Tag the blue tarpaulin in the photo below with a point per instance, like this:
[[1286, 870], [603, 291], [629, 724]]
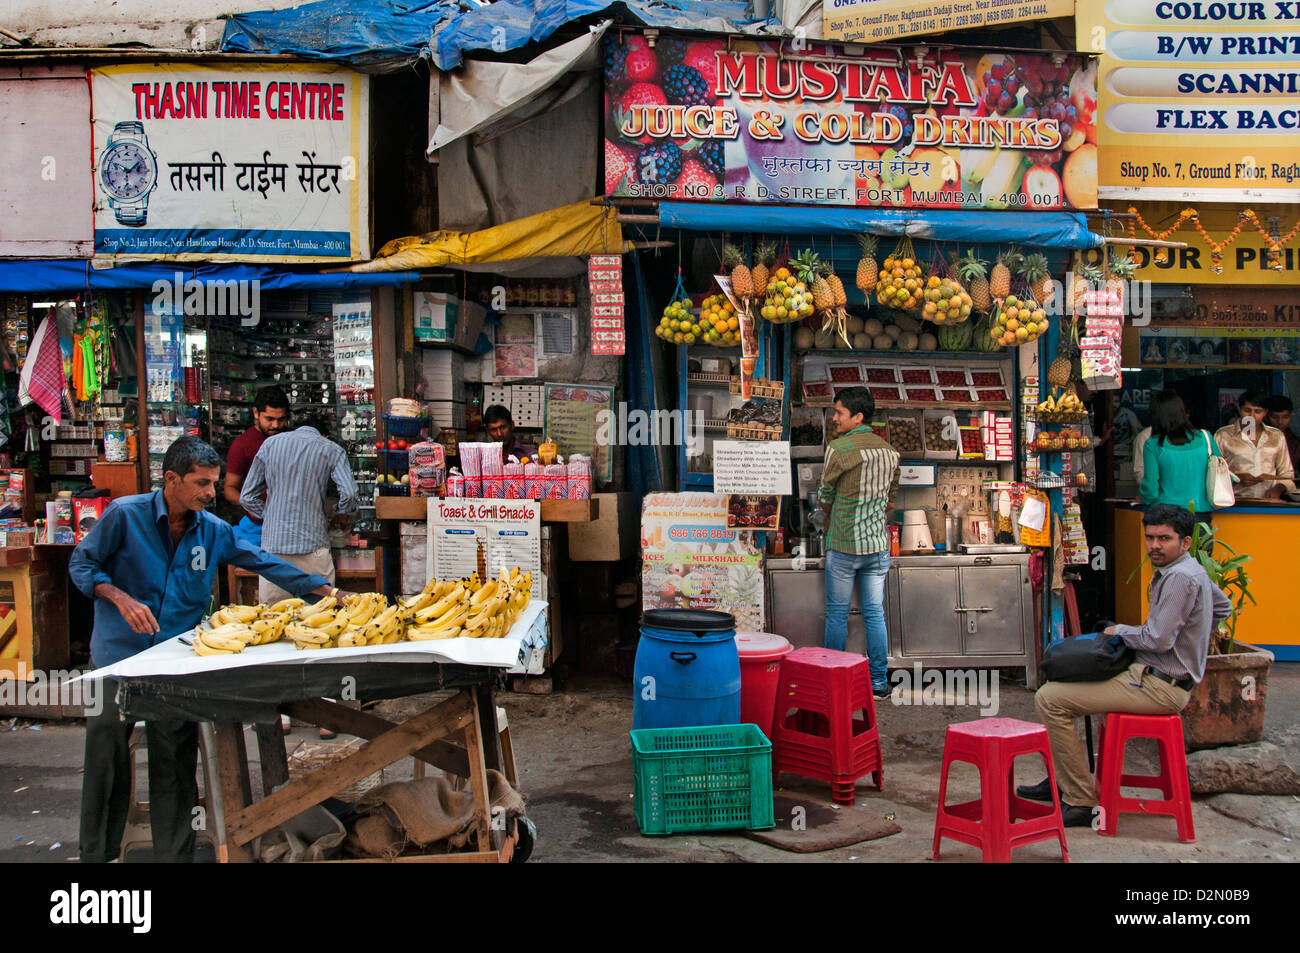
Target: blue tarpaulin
[[510, 24], [360, 32], [1046, 229], [49, 276]]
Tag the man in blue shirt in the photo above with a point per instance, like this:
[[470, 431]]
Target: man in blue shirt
[[149, 564]]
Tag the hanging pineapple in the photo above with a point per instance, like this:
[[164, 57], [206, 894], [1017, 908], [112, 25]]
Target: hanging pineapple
[[1039, 278], [742, 282], [975, 275], [765, 256], [1086, 278], [868, 271], [1000, 280], [1120, 272], [1067, 353], [837, 289]]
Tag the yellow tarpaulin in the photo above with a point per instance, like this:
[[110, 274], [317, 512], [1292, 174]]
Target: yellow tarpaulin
[[577, 229]]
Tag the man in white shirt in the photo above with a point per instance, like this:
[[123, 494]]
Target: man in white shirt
[[1256, 453]]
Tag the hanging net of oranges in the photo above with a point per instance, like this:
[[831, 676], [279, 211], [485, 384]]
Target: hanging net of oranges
[[901, 282]]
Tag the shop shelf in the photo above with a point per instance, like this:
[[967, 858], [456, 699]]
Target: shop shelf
[[403, 427], [393, 489], [702, 779], [895, 355]]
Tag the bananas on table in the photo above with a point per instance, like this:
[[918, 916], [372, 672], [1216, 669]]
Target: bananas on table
[[445, 609]]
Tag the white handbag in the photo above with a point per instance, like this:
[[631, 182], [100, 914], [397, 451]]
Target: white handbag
[[1218, 478]]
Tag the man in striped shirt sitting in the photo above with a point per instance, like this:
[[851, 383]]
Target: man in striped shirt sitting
[[858, 483]]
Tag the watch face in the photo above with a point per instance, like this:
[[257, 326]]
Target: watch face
[[127, 170]]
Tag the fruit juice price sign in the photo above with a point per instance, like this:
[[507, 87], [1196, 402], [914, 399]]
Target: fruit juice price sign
[[691, 560], [697, 121], [468, 536]]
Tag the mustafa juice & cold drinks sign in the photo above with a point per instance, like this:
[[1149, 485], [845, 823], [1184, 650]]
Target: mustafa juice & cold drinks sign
[[698, 121]]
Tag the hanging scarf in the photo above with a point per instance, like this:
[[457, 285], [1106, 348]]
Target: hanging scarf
[[41, 380]]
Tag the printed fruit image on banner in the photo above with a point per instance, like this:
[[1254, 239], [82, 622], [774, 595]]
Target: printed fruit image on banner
[[697, 121]]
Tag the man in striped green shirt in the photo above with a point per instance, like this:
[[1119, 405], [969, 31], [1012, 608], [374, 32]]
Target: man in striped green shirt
[[859, 481]]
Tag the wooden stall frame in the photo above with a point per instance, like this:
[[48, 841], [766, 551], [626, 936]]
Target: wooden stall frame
[[470, 714], [23, 667]]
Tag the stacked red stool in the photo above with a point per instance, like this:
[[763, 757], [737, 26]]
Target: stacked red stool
[[999, 820], [814, 731], [1171, 782]]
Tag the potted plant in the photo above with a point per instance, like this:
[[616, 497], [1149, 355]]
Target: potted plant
[[1227, 707]]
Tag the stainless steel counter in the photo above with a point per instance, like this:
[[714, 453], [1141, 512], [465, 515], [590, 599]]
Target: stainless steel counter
[[945, 611]]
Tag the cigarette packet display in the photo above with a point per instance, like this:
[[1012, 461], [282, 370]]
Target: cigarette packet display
[[578, 478]]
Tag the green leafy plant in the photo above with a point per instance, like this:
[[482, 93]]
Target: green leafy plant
[[1228, 574]]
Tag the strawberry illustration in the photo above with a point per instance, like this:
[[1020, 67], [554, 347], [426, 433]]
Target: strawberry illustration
[[638, 94], [696, 181], [642, 66], [703, 56], [619, 169]]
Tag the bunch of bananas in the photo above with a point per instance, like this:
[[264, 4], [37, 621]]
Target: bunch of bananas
[[469, 607], [231, 628], [364, 618]]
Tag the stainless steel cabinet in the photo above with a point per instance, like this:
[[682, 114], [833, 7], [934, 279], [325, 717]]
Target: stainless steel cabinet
[[943, 611]]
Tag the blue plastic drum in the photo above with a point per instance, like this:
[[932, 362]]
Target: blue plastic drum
[[687, 670]]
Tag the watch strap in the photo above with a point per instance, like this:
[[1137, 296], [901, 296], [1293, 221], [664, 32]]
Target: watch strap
[[130, 214], [129, 127]]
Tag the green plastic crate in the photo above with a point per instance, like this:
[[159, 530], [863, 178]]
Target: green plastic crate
[[711, 778]]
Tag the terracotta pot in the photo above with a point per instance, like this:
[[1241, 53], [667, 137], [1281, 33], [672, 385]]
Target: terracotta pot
[[1227, 707]]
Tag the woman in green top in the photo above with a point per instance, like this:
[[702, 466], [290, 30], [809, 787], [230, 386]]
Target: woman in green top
[[1177, 458]]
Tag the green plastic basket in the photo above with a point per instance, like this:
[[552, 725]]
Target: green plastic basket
[[711, 778]]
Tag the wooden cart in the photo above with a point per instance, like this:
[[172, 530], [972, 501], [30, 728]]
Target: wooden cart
[[459, 735]]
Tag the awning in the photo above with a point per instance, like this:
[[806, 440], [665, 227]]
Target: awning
[[379, 34], [55, 276], [577, 229], [1046, 229], [510, 24]]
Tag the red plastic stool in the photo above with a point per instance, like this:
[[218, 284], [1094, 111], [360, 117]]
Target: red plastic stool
[[1171, 782], [814, 731], [999, 820]]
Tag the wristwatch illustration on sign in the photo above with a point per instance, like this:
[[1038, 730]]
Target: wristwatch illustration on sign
[[128, 172]]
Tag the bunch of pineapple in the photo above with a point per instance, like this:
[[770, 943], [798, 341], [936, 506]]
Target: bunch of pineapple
[[975, 274], [868, 271], [1035, 271]]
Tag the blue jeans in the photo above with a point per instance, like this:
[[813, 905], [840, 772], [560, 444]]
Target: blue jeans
[[868, 572], [249, 531]]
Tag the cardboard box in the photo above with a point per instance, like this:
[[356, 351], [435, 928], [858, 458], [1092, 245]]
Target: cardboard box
[[469, 323], [444, 374], [614, 535], [435, 315]]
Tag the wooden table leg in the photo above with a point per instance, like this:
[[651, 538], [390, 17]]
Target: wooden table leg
[[271, 754], [478, 779], [488, 729], [232, 779]]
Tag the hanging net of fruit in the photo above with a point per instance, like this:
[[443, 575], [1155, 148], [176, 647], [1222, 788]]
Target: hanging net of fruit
[[1018, 319], [679, 324], [901, 280], [719, 323], [946, 300], [788, 298]]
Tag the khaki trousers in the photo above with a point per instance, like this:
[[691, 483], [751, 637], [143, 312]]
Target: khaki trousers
[[1059, 703], [320, 562]]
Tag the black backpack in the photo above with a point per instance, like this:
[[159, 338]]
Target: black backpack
[[1094, 657]]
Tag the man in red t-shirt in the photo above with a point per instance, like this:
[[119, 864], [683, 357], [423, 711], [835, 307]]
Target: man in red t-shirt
[[270, 416]]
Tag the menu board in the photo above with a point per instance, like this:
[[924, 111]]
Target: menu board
[[468, 536], [691, 560], [752, 467], [573, 417]]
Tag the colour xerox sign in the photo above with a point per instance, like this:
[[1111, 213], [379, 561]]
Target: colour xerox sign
[[252, 163], [701, 121], [1200, 99]]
